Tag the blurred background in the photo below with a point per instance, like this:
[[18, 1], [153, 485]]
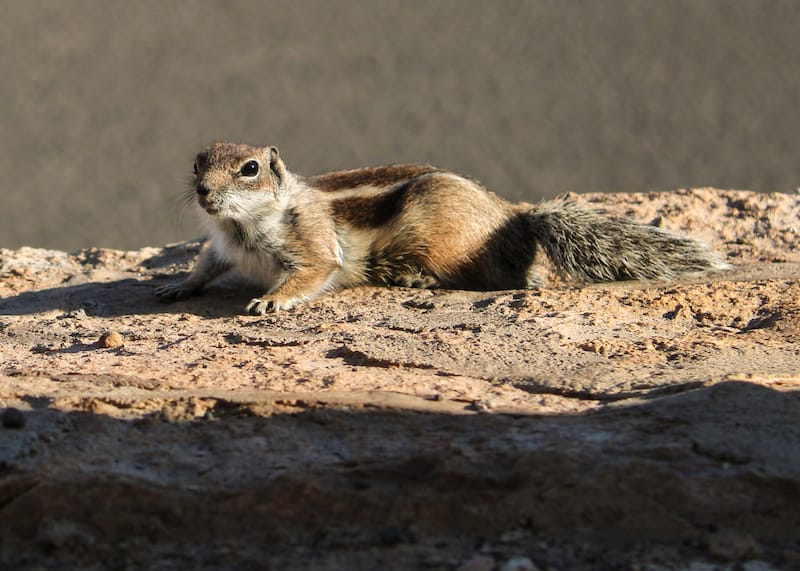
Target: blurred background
[[103, 105]]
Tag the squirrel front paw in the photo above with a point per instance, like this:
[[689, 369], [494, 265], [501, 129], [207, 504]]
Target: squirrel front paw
[[264, 305], [174, 292]]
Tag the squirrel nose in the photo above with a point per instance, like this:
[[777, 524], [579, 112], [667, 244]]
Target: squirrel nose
[[202, 190]]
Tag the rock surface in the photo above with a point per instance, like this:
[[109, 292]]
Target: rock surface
[[627, 425]]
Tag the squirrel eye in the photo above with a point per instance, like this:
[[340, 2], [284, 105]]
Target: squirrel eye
[[250, 168], [194, 168]]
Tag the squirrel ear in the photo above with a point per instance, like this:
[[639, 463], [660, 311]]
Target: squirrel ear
[[276, 165]]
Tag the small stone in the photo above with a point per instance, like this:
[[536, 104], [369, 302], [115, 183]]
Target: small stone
[[110, 339], [12, 418]]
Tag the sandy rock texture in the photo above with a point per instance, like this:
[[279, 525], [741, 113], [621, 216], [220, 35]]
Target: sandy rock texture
[[615, 426]]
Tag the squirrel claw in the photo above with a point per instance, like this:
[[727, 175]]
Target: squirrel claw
[[262, 306], [258, 306]]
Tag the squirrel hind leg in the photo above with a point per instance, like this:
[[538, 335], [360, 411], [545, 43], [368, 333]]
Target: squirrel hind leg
[[402, 269]]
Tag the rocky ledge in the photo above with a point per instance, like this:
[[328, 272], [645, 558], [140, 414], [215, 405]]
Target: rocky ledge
[[627, 425]]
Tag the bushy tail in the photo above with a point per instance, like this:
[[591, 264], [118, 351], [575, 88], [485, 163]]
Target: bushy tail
[[598, 248]]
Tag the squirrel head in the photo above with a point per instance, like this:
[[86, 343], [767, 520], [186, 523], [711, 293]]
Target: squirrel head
[[235, 181]]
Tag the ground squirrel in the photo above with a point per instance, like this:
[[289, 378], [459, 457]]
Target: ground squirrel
[[404, 225]]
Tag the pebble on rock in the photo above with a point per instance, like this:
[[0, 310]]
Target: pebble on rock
[[12, 418], [110, 339]]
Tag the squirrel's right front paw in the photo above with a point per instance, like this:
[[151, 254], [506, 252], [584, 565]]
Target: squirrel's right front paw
[[173, 292]]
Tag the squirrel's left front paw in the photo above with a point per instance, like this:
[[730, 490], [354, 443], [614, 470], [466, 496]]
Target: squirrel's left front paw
[[262, 306]]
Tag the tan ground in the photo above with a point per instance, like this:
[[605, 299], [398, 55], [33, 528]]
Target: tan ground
[[629, 425]]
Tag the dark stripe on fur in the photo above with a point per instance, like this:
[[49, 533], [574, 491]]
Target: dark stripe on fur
[[371, 211], [373, 176]]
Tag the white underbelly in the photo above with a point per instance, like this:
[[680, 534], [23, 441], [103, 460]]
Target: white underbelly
[[260, 269]]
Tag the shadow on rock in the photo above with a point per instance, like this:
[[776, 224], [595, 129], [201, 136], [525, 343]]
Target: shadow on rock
[[281, 478], [128, 297]]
